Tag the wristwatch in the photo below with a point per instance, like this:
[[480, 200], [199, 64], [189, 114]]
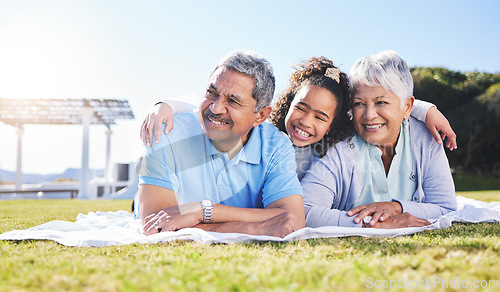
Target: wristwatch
[[207, 206]]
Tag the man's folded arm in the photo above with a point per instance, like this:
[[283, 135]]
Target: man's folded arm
[[153, 199], [279, 218], [226, 218]]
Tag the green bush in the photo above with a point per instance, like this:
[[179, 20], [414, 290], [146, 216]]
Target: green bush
[[471, 102]]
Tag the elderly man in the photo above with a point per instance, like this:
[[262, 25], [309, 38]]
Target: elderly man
[[223, 168]]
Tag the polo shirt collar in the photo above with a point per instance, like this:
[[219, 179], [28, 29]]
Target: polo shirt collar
[[251, 152]]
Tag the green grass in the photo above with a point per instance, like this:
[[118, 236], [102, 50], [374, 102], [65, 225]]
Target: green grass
[[464, 251]]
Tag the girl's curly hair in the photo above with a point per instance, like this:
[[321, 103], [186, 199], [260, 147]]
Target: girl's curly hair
[[312, 72]]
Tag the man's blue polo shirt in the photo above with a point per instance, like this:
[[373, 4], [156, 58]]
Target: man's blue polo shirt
[[187, 162]]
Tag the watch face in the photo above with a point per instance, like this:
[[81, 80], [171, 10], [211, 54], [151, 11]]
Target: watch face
[[206, 203]]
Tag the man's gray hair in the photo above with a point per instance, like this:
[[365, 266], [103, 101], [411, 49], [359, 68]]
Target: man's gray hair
[[251, 64], [385, 69]]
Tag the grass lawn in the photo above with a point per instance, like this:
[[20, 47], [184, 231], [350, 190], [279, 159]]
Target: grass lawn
[[463, 254]]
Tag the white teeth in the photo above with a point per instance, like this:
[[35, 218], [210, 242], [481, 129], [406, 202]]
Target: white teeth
[[302, 133], [374, 127], [217, 122]]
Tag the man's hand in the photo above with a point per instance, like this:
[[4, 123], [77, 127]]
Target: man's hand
[[380, 211], [162, 113], [173, 218], [436, 122], [401, 221], [280, 225]]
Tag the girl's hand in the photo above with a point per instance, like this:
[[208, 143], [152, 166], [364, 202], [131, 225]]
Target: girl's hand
[[436, 122], [162, 114]]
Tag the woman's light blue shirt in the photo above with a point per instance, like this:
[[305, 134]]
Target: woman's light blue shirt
[[377, 186], [334, 182]]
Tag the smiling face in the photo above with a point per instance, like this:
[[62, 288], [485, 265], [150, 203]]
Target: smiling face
[[310, 116], [226, 112], [378, 115]]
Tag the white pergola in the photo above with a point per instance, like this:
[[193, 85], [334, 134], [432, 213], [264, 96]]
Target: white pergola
[[20, 112]]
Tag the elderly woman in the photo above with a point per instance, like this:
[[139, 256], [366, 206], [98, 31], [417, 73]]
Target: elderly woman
[[391, 174]]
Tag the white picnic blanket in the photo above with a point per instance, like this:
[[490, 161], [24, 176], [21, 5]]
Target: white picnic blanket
[[120, 227]]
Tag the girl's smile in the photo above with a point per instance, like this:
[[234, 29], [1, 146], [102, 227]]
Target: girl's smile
[[310, 116]]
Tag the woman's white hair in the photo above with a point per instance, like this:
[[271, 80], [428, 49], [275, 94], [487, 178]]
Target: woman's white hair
[[385, 69]]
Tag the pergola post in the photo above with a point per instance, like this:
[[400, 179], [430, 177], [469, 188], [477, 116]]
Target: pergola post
[[108, 174], [86, 114], [19, 170]]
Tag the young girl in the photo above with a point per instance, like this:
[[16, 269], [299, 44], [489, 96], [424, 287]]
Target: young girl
[[314, 111]]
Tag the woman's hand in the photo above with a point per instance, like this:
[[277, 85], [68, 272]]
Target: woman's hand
[[401, 221], [380, 211], [162, 114], [436, 122]]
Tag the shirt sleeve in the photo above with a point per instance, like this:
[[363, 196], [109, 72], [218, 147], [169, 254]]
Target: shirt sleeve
[[327, 193], [420, 108], [178, 107], [158, 164], [281, 179]]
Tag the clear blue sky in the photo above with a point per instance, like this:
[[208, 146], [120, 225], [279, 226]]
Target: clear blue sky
[[144, 51]]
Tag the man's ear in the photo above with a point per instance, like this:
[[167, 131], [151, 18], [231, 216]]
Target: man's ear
[[407, 107], [262, 115]]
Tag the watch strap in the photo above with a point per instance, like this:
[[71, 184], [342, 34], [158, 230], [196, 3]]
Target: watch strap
[[207, 206]]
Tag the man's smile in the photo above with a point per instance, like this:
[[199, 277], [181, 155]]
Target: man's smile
[[216, 120]]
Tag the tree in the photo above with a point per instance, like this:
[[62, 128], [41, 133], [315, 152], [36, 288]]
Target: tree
[[471, 102]]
